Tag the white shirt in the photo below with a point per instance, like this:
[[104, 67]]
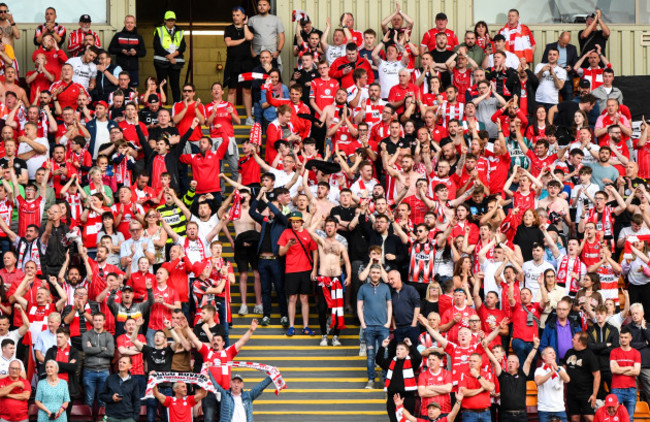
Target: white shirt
[[334, 52], [102, 136], [532, 273], [489, 268], [512, 60], [588, 158], [206, 226], [388, 75], [352, 93], [627, 231], [238, 411], [282, 179], [546, 91], [83, 72], [550, 395], [4, 364], [578, 202], [13, 335], [36, 162]]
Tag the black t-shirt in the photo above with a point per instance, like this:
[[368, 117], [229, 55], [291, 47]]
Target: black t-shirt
[[392, 147], [346, 214], [241, 51], [442, 57], [19, 165], [566, 111], [580, 367], [589, 43], [513, 387], [148, 117], [159, 360], [306, 76], [478, 209], [305, 35]]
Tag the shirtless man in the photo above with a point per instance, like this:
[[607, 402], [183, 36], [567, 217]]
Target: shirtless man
[[10, 31], [11, 85], [302, 204], [321, 203], [330, 254], [331, 112], [445, 209], [557, 208], [404, 179], [245, 246]]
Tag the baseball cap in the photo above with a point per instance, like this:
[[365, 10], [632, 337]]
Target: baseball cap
[[296, 215], [85, 18], [270, 196], [127, 287], [611, 400], [153, 98], [591, 16], [433, 404], [102, 103], [584, 83], [237, 376], [169, 15]]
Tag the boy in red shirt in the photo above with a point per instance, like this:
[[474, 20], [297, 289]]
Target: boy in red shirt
[[625, 363]]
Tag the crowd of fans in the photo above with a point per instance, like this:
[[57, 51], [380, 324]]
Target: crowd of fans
[[484, 217]]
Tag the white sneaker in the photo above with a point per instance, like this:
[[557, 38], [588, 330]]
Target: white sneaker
[[362, 350], [370, 385], [323, 341], [258, 309], [335, 341], [250, 121], [243, 310]]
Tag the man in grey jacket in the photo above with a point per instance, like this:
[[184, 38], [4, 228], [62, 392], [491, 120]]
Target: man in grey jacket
[[607, 90], [99, 347], [236, 400]]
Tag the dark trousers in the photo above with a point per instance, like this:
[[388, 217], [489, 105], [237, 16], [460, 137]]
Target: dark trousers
[[271, 274], [411, 332], [641, 294], [166, 70], [513, 417]]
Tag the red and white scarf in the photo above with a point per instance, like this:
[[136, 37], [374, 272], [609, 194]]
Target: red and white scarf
[[419, 265], [563, 275], [34, 255], [157, 169], [407, 374], [548, 368], [252, 76], [256, 134], [630, 241], [200, 246], [333, 292], [235, 211], [606, 222], [217, 266]]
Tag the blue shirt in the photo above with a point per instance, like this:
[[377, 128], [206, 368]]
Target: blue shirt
[[404, 304], [375, 303]]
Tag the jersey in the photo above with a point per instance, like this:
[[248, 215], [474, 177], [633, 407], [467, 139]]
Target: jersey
[[179, 410], [215, 362], [222, 117], [323, 92]]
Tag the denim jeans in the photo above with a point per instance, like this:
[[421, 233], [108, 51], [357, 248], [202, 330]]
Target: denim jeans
[[469, 416], [223, 318], [627, 397], [93, 382], [546, 416], [411, 332], [374, 335], [522, 349], [154, 404], [271, 273], [211, 408]]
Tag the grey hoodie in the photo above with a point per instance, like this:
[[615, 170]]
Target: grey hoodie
[[100, 352]]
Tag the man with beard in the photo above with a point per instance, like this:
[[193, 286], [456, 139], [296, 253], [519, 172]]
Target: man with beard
[[451, 109], [125, 211], [44, 119], [99, 129], [363, 187], [473, 50], [441, 175], [404, 179], [604, 173]]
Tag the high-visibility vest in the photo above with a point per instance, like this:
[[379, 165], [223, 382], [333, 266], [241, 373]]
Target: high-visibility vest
[[166, 41]]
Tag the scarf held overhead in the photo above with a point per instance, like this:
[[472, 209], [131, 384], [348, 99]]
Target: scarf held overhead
[[333, 292]]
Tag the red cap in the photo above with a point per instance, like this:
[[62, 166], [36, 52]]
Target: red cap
[[102, 103], [198, 267], [611, 400]]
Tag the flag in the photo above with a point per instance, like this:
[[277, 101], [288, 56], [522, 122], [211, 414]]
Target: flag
[[252, 76], [256, 134], [298, 14]]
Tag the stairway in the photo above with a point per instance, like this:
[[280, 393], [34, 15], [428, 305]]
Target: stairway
[[323, 383]]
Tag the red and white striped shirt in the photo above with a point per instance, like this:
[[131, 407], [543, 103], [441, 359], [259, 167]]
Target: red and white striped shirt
[[451, 111], [29, 212]]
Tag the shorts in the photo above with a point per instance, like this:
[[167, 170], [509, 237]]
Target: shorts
[[233, 69], [577, 405], [297, 283], [246, 256]]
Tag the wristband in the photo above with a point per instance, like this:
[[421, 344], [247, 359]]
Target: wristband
[[14, 24]]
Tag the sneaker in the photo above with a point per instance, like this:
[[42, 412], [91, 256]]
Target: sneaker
[[291, 331], [284, 321], [307, 331], [258, 309], [250, 121], [335, 341], [265, 321], [323, 341], [370, 385], [243, 310], [362, 350]]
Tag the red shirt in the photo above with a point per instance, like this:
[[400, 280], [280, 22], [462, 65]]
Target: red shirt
[[29, 212], [216, 359], [178, 276], [537, 164], [445, 302], [127, 216], [68, 97], [296, 259], [139, 283], [125, 341], [429, 39], [426, 379], [519, 317], [184, 125], [418, 208], [482, 399], [591, 252], [92, 227], [346, 79], [98, 283], [221, 117], [12, 409], [460, 359], [323, 92], [459, 230], [465, 313], [206, 168], [498, 167], [179, 410], [621, 415], [249, 170], [490, 319], [63, 355], [159, 312], [461, 80], [624, 359], [398, 93]]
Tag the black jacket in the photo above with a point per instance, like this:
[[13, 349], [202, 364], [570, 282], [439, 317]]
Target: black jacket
[[172, 159], [514, 85], [392, 245], [68, 368], [571, 54], [397, 380], [129, 406], [640, 340], [600, 349], [126, 40]]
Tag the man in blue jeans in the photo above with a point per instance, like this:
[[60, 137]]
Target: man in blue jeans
[[625, 363], [99, 347], [374, 307]]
